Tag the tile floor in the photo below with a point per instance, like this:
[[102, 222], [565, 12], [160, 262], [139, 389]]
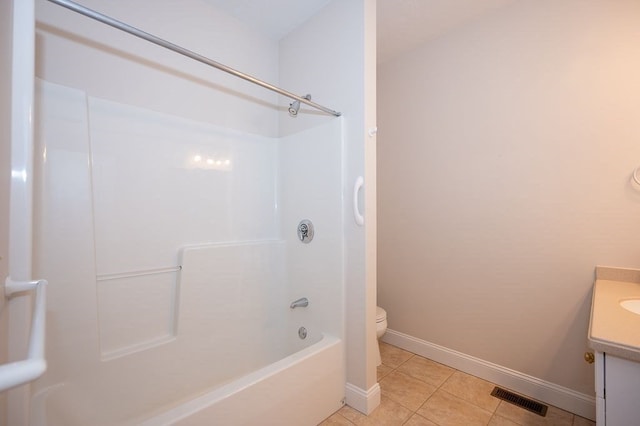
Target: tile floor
[[419, 392]]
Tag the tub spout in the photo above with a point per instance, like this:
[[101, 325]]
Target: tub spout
[[300, 303]]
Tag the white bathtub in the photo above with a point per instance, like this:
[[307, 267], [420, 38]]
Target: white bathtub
[[301, 389]]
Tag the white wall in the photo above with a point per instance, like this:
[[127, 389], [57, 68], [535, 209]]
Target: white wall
[[506, 150], [76, 51], [329, 56], [6, 12]]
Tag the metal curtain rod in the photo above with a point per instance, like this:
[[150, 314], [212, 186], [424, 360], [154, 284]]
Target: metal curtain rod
[[188, 53]]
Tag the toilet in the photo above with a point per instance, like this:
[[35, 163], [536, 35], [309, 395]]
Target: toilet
[[381, 328]]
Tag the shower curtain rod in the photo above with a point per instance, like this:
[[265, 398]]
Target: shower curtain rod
[[188, 53]]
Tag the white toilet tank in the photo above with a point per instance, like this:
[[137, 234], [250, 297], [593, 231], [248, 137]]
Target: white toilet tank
[[381, 321]]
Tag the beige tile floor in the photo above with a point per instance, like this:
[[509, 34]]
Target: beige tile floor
[[419, 392]]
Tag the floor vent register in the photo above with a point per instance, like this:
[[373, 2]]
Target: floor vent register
[[520, 401]]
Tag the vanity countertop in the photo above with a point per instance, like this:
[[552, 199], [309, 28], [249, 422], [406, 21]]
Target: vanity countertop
[[613, 329]]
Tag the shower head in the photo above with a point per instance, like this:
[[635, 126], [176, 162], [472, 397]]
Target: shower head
[[294, 106]]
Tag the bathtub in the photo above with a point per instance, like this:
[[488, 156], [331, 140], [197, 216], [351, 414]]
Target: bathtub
[[301, 389], [278, 394]]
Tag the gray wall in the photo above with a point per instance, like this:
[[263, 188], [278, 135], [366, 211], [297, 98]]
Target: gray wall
[[505, 152]]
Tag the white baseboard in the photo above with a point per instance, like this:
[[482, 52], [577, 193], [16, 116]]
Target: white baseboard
[[541, 390], [361, 400]]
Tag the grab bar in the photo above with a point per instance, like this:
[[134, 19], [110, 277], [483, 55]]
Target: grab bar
[[21, 372], [359, 218]]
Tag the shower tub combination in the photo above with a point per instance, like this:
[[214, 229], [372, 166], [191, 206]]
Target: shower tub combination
[[173, 258]]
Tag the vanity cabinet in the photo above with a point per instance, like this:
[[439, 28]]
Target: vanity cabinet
[[617, 391], [614, 335]]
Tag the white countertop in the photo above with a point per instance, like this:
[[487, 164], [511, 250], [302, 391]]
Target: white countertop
[[613, 329]]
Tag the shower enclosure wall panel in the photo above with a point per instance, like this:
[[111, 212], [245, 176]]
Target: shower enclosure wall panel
[[133, 310], [195, 182], [311, 174]]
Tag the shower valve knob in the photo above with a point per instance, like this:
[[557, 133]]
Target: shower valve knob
[[305, 231]]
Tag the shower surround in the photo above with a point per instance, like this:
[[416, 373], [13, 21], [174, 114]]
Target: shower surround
[[160, 182], [172, 255]]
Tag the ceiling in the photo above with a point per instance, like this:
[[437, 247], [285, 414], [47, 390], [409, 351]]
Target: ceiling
[[275, 18], [402, 24]]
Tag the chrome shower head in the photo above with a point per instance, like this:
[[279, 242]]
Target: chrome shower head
[[294, 106]]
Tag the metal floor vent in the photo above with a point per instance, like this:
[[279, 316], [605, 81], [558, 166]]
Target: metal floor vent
[[520, 401]]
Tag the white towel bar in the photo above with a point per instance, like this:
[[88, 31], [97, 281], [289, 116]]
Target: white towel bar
[[21, 372]]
